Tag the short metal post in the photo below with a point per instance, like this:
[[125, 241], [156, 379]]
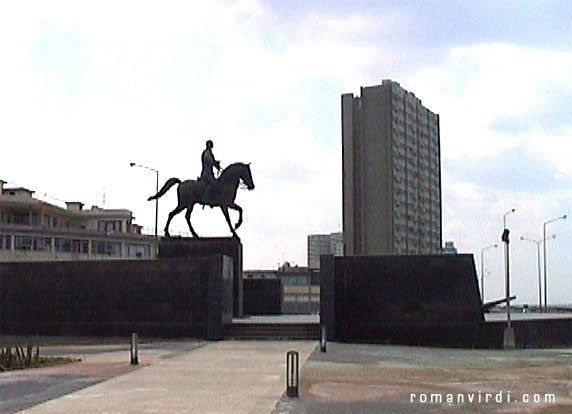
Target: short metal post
[[134, 351], [292, 374], [323, 339]]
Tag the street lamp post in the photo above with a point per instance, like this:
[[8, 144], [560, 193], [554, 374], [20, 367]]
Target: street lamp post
[[483, 270], [563, 217], [132, 164], [506, 262], [508, 338], [538, 243]]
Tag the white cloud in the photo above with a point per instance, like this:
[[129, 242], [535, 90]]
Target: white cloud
[[479, 85], [556, 148]]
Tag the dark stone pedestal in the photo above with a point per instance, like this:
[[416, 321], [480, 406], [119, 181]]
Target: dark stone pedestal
[[186, 247], [412, 300]]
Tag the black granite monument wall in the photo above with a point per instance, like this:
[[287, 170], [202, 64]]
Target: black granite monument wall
[[548, 332], [165, 298], [186, 247], [262, 296], [414, 300]]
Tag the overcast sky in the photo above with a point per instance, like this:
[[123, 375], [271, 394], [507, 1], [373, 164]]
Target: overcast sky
[[87, 87]]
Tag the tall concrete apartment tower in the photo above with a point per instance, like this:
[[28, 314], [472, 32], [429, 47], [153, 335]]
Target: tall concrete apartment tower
[[391, 173]]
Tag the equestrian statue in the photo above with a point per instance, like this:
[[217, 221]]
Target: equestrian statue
[[208, 190]]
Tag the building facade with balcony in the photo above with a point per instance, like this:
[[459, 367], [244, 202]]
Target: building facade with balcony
[[391, 173], [35, 230]]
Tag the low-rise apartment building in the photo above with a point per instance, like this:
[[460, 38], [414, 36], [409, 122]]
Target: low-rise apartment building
[[34, 230]]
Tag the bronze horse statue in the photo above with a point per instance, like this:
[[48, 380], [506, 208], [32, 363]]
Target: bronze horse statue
[[222, 194]]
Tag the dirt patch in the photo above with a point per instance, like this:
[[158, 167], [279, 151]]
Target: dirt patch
[[41, 362]]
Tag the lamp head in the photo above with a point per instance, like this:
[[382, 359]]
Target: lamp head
[[132, 164], [504, 236]]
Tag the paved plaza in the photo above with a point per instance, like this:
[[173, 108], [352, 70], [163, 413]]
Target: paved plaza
[[249, 377], [366, 379]]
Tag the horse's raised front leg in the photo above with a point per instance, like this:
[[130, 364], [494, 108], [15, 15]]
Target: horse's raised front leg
[[224, 210], [171, 215], [236, 207], [188, 218]]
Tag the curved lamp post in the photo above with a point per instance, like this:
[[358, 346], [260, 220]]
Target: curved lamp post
[[506, 262], [132, 164], [512, 210], [563, 217], [508, 337]]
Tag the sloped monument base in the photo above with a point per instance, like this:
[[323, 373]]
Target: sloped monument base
[[411, 300]]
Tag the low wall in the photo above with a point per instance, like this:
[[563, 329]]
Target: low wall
[[166, 298], [534, 333], [187, 247], [262, 296], [413, 300]]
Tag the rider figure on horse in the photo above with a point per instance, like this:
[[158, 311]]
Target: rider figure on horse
[[207, 177]]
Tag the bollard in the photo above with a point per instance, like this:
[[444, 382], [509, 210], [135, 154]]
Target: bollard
[[292, 374], [134, 352], [323, 339]]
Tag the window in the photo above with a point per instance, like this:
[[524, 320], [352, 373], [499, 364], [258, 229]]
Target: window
[[97, 247], [22, 243], [71, 246], [138, 250], [34, 219], [5, 242], [109, 226], [80, 246], [62, 245], [21, 218], [104, 247], [42, 244]]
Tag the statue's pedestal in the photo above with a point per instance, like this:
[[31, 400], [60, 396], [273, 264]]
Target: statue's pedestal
[[186, 247]]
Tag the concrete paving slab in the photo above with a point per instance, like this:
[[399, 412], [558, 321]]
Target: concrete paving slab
[[221, 377]]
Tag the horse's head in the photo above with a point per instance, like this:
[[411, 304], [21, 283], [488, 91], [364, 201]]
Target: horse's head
[[236, 173], [246, 177]]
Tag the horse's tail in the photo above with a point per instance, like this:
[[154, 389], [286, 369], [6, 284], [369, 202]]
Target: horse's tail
[[170, 182]]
